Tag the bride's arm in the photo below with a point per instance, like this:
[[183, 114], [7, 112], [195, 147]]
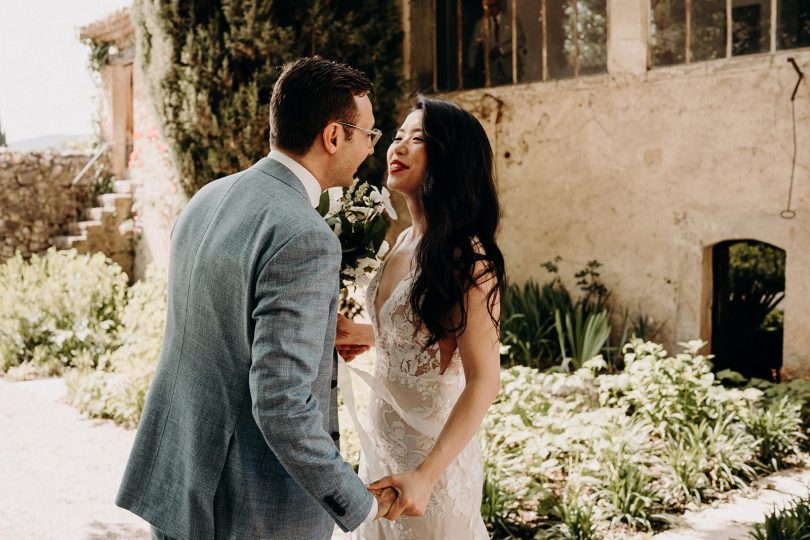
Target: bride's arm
[[479, 348]]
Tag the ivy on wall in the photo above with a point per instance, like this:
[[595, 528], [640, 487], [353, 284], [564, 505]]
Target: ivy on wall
[[211, 66]]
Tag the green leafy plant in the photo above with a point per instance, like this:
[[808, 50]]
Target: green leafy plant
[[777, 428], [117, 388], [58, 310], [210, 69], [585, 336], [535, 325], [789, 523]]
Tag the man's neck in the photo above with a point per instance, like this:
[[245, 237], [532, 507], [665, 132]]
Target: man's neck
[[310, 163]]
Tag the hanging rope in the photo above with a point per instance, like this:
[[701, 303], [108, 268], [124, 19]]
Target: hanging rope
[[789, 213]]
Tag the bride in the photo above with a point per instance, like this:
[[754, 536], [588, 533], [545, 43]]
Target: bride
[[434, 307]]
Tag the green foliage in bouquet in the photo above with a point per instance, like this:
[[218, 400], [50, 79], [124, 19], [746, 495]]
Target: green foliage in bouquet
[[117, 388], [357, 216], [58, 310], [210, 68]]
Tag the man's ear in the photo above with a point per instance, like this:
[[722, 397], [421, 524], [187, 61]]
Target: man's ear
[[330, 136]]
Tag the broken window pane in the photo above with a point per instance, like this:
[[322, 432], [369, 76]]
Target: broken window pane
[[708, 30], [794, 24], [590, 50], [592, 25], [560, 49], [750, 26], [668, 32]]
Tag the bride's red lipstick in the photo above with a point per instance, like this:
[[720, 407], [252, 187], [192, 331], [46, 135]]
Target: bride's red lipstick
[[396, 166]]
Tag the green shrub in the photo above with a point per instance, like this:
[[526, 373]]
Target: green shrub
[[532, 317], [58, 310], [117, 388], [580, 455], [777, 428], [790, 523], [210, 69]]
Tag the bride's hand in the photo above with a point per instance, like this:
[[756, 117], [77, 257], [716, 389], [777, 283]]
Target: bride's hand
[[414, 490]]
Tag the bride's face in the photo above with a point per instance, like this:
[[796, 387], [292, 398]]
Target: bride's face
[[407, 158]]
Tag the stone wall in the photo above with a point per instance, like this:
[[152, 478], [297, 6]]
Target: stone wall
[[647, 171], [37, 199]]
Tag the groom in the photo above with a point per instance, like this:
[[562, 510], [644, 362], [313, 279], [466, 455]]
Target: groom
[[239, 435]]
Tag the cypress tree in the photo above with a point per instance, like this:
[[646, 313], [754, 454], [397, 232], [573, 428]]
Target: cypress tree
[[211, 66], [2, 137]]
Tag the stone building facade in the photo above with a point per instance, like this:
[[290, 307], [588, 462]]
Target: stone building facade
[[624, 131], [652, 163]]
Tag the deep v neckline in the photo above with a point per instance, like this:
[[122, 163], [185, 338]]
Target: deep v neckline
[[378, 311]]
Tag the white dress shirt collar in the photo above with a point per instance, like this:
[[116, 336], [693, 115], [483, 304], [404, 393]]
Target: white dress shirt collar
[[311, 184]]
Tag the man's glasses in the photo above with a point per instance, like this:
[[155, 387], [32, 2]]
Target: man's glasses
[[374, 134]]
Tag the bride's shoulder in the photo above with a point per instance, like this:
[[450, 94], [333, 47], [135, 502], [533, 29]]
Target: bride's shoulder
[[404, 234]]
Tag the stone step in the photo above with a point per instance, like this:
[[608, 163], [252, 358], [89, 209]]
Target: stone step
[[99, 213], [120, 203], [82, 227], [69, 241], [123, 186]]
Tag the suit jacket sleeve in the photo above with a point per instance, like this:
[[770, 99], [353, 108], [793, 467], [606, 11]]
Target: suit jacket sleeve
[[295, 304]]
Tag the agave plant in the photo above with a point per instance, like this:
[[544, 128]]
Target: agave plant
[[585, 335]]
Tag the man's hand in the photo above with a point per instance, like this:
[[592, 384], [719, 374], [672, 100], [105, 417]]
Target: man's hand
[[385, 499], [352, 339], [350, 352], [413, 488]]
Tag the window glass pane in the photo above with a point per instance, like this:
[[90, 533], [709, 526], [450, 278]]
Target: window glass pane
[[750, 26], [592, 25], [708, 29], [794, 24], [497, 33], [667, 32], [560, 42]]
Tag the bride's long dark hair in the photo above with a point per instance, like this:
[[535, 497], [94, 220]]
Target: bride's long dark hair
[[461, 210]]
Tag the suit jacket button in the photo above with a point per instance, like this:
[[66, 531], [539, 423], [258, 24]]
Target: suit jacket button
[[335, 435], [334, 384]]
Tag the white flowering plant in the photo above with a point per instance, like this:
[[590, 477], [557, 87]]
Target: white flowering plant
[[357, 215]]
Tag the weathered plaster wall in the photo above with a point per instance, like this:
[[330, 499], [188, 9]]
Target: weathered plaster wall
[[645, 173], [38, 199]]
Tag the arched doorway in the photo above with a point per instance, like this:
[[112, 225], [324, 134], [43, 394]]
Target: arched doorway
[[748, 288]]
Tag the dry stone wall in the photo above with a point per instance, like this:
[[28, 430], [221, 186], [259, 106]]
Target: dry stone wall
[[37, 199]]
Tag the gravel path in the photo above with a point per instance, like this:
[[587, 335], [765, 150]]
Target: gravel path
[[59, 472]]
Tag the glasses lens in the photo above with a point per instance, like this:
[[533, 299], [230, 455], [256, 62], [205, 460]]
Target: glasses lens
[[375, 136]]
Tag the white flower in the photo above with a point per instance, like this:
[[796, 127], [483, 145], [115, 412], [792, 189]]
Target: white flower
[[335, 204], [363, 211], [386, 201], [367, 263], [384, 247]]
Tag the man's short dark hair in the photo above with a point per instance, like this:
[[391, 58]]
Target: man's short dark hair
[[309, 94]]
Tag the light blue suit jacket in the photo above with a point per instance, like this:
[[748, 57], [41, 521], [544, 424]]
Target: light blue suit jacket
[[238, 438]]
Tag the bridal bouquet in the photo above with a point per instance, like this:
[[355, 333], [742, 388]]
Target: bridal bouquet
[[355, 214]]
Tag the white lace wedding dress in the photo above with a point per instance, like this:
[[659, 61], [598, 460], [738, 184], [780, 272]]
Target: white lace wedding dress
[[410, 403]]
